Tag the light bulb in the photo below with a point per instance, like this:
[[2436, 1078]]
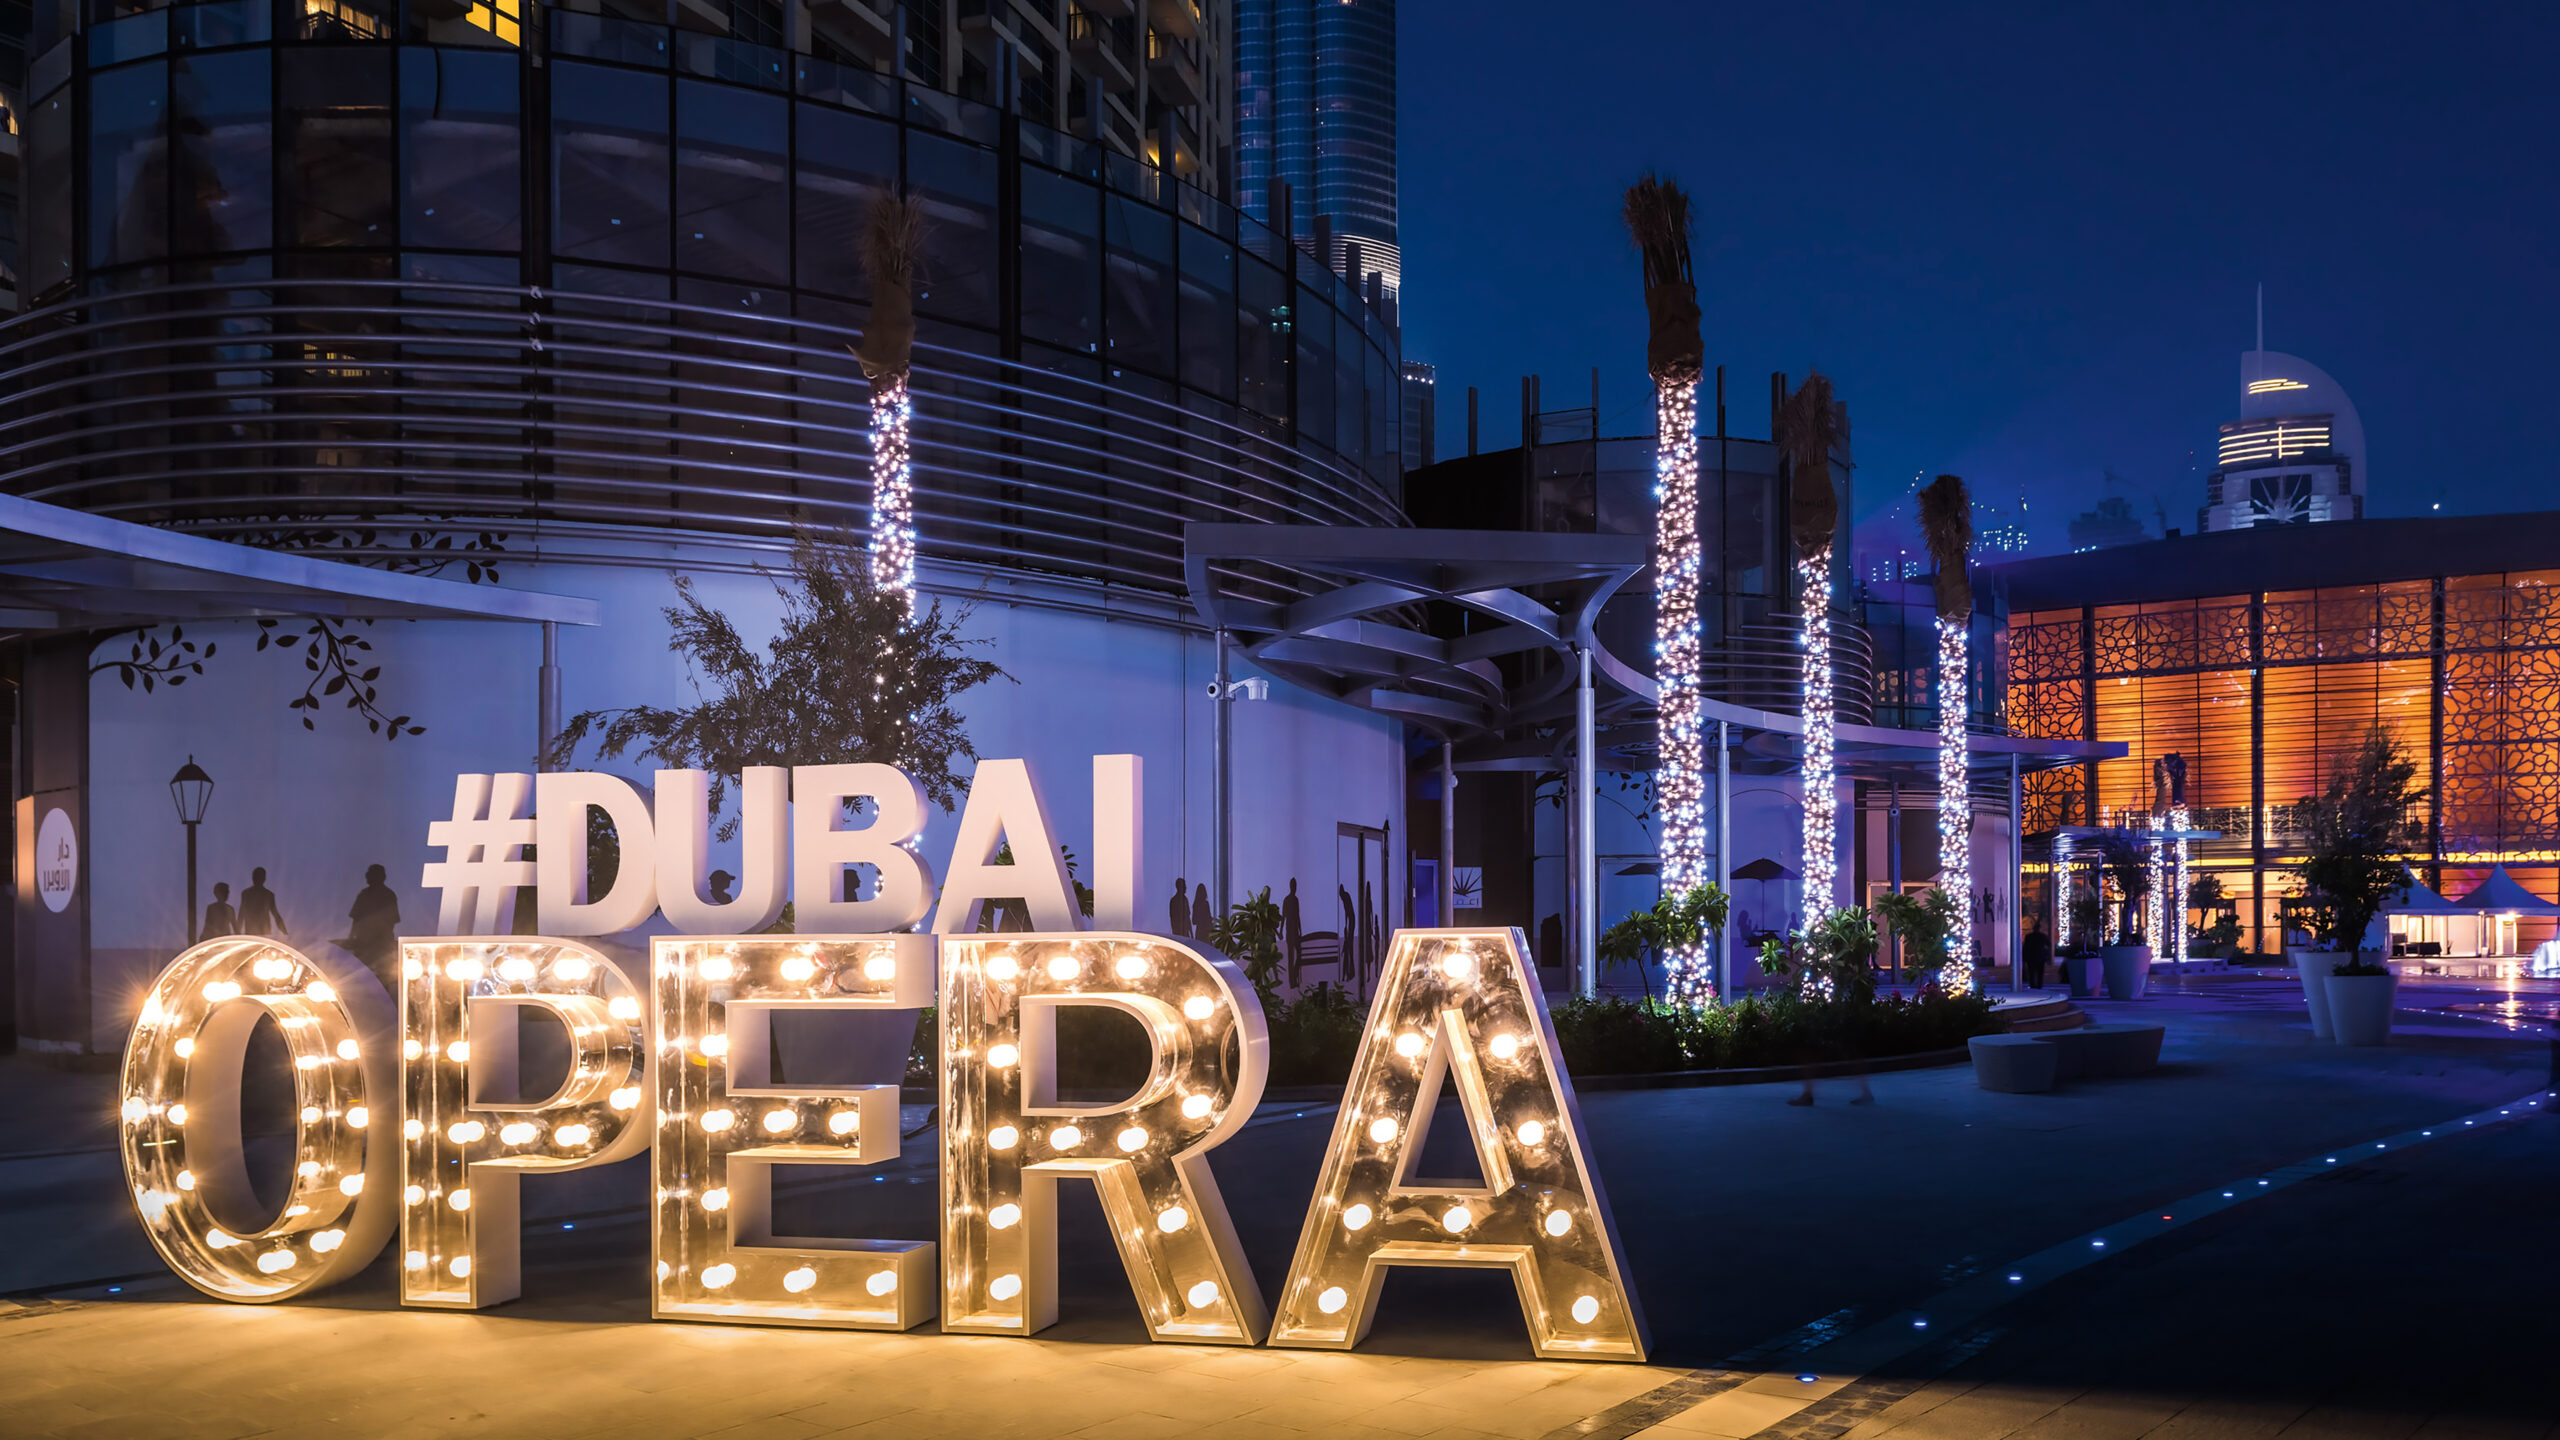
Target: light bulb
[[358, 1117], [136, 1109], [1459, 964], [327, 1241], [519, 1133], [799, 970], [310, 1114], [185, 1047], [1332, 1300], [1065, 1137], [1199, 1007], [1410, 1044], [347, 1050], [880, 968], [1133, 1139], [1132, 966], [1505, 1046], [186, 1179], [409, 1049], [458, 1052], [410, 969], [715, 1046], [351, 1185], [572, 1134], [461, 1267], [717, 1277], [1586, 1310], [416, 1259], [517, 970], [1002, 966], [221, 990], [219, 1240], [623, 1007], [844, 1122], [1357, 1217], [1383, 1129], [459, 1200], [571, 967], [1458, 1218], [1004, 1217], [1065, 967], [1004, 1287], [308, 1169], [323, 992], [465, 969], [777, 1122], [412, 1129], [1172, 1218], [275, 1260], [1002, 1056], [1003, 1137], [414, 1195], [463, 1132], [177, 1114], [881, 1282], [715, 1200], [1203, 1295], [1195, 1107], [624, 1097], [798, 1281], [716, 1121], [716, 967], [1559, 1224], [1533, 1132]]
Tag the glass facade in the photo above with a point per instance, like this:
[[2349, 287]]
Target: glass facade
[[637, 163], [2260, 692], [1316, 111]]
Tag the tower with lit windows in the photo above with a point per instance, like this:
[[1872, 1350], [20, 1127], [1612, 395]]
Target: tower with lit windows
[[2294, 457]]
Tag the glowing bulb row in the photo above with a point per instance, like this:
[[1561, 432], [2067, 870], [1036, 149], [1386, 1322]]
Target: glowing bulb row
[[1821, 865], [893, 516], [1680, 774], [1955, 847]]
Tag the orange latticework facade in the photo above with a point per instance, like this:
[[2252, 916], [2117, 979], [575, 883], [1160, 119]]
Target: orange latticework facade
[[2261, 691]]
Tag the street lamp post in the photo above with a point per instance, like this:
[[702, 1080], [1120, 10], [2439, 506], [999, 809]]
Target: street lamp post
[[191, 790]]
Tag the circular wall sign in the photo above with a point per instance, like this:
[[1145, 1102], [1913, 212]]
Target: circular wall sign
[[57, 860]]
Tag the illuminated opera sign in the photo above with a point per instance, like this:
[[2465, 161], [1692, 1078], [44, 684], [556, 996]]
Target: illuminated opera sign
[[408, 1119]]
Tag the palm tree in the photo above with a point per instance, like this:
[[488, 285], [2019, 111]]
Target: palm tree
[[891, 244], [1657, 216], [1946, 523], [1808, 428]]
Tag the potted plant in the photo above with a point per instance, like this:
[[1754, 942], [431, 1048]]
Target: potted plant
[[2080, 961], [2351, 867], [2128, 961]]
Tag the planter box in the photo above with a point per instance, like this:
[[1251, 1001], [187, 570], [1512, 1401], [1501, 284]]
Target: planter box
[[2360, 1007], [2313, 967], [2081, 971], [2128, 970]]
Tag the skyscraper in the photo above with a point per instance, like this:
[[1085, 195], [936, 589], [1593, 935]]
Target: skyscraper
[[1421, 410], [1316, 113], [2296, 454]]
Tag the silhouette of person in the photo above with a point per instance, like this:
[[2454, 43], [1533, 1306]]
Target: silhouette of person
[[373, 925], [1178, 914], [1291, 928], [219, 917], [1204, 925], [258, 912], [1551, 941], [721, 880]]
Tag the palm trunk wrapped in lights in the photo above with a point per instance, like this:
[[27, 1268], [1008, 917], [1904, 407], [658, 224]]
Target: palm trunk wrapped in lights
[[890, 247], [1809, 427], [2178, 821], [1657, 216], [1946, 522]]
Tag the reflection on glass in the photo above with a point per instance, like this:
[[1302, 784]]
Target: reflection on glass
[[458, 150], [732, 208], [337, 155], [128, 164], [609, 165]]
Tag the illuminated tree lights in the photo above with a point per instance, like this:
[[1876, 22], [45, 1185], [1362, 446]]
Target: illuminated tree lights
[[893, 517], [1955, 848], [1821, 803], [1680, 776], [2178, 821]]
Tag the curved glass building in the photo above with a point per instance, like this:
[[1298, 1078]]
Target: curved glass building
[[561, 300]]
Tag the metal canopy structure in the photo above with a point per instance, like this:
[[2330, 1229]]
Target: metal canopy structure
[[1356, 638], [70, 570]]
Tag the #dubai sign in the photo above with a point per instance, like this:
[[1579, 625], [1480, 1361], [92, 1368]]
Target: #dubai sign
[[410, 1129]]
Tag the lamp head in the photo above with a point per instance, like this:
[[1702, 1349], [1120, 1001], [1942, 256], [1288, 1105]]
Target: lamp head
[[191, 790]]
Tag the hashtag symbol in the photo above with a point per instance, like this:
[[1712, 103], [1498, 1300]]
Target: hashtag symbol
[[479, 874]]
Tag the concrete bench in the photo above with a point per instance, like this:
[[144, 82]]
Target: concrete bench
[[2097, 1052], [2013, 1064]]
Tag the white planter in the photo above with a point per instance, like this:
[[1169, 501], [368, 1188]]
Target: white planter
[[2081, 971], [2128, 970], [2313, 967], [2360, 1007]]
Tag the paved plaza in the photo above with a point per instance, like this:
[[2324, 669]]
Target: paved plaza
[[1842, 1270]]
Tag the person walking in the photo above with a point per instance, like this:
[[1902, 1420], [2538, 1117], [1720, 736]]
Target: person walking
[[1204, 923], [258, 912], [219, 917], [1292, 929], [1178, 914], [2034, 951], [373, 927]]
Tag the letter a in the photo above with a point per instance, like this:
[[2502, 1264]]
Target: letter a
[[1462, 1001]]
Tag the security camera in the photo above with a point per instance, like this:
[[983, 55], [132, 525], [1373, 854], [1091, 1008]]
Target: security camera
[[1213, 689]]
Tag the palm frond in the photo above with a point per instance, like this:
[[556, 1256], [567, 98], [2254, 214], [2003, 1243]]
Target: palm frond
[[1657, 216], [1808, 429], [892, 249], [1946, 524]]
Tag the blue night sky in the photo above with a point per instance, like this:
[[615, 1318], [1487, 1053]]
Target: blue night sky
[[2022, 239]]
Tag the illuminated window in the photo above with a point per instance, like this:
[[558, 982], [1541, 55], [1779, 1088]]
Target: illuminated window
[[354, 21], [502, 18], [2269, 387]]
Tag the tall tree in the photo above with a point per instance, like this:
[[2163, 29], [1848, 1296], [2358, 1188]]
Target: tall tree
[[892, 243], [1946, 523], [1657, 216], [1808, 429]]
